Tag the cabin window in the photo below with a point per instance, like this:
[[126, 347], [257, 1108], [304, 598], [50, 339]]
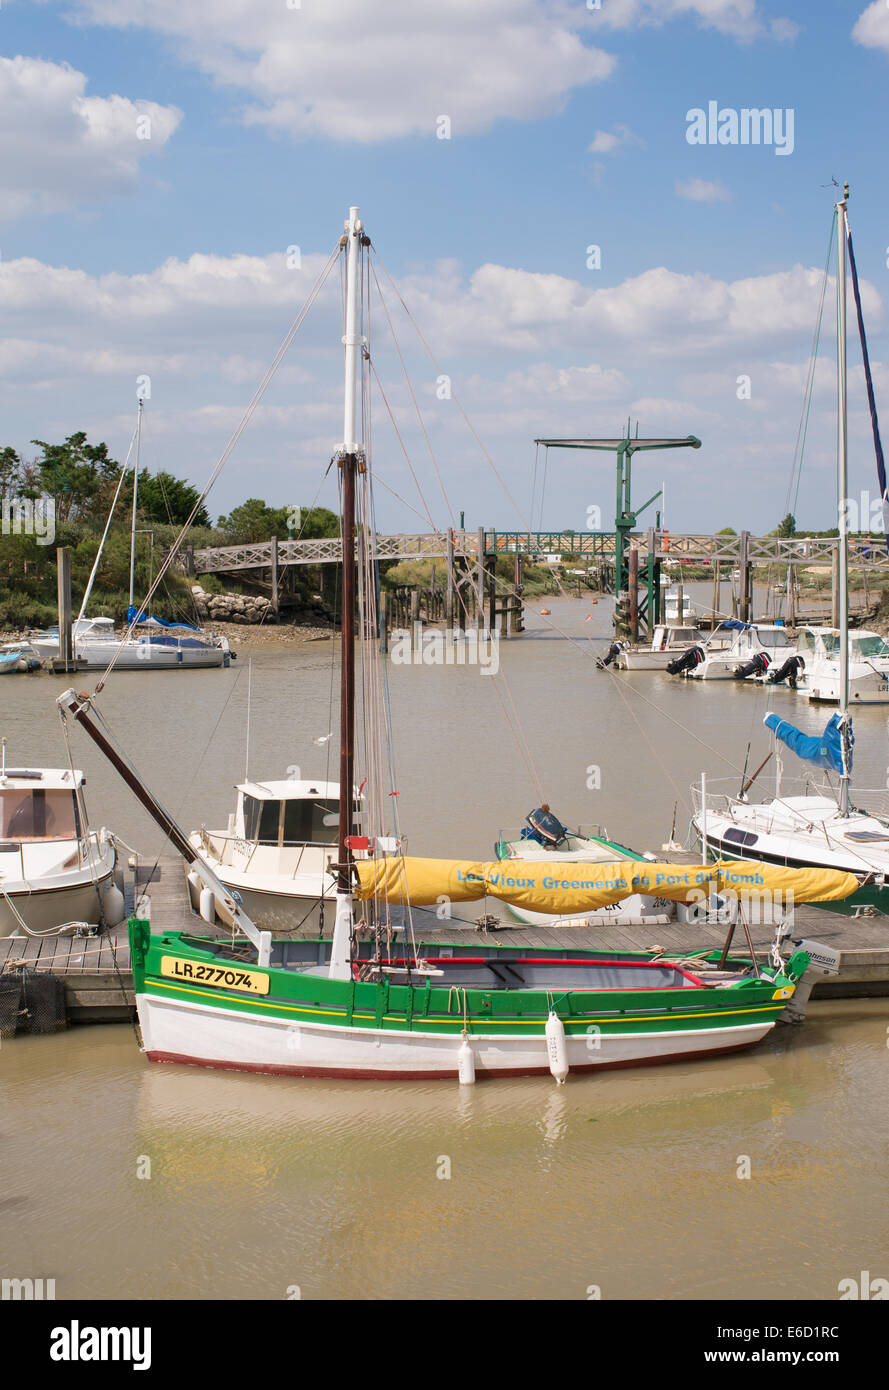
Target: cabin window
[[316, 822], [292, 822], [869, 646], [36, 814], [740, 837], [261, 820]]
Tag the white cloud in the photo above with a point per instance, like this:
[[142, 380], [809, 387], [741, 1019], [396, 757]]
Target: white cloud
[[60, 148], [365, 72], [740, 19], [606, 141], [529, 355], [702, 191], [872, 26]]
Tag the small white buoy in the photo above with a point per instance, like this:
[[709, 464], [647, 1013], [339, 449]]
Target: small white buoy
[[207, 907], [113, 906], [466, 1064], [556, 1047]]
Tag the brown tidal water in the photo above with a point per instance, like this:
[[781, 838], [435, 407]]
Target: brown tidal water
[[626, 1182]]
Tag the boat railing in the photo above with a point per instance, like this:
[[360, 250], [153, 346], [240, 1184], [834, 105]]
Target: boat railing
[[584, 832], [723, 794]]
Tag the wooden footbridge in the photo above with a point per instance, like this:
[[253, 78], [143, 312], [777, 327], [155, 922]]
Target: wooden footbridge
[[628, 564]]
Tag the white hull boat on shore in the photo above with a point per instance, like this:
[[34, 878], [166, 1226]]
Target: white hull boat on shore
[[56, 875]]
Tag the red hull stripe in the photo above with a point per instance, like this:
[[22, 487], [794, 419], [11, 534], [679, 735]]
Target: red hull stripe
[[353, 1074]]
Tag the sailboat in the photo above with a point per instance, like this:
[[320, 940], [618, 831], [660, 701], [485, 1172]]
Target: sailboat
[[365, 1005], [816, 825], [149, 644]]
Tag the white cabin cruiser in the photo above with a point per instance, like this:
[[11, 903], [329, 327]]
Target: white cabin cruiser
[[279, 851], [55, 873], [738, 651], [545, 838], [163, 647], [667, 642], [868, 677]]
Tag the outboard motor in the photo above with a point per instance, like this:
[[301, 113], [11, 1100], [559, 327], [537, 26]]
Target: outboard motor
[[789, 672], [686, 662], [613, 651], [756, 666], [546, 827]]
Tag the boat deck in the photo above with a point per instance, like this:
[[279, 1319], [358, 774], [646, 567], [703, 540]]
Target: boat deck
[[99, 983]]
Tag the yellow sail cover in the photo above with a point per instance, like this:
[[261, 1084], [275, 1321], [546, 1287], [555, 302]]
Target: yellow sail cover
[[565, 888]]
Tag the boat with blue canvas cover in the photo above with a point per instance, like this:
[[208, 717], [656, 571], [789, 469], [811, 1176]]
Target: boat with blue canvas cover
[[823, 823]]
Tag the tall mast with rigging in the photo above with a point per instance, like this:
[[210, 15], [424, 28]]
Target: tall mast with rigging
[[843, 489], [351, 461], [135, 500]]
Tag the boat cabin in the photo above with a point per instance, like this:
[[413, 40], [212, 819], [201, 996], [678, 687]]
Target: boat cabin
[[289, 812], [39, 805]]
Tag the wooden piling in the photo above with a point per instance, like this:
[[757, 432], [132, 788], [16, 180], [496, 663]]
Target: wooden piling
[[633, 592], [275, 576], [66, 630]]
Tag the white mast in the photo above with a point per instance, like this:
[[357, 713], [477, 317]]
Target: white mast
[[135, 499], [842, 474], [340, 951], [351, 338]]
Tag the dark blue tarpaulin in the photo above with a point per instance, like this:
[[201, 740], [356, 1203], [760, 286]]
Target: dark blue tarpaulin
[[133, 614], [824, 750]]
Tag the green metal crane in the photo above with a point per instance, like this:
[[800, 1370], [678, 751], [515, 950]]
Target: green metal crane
[[625, 514]]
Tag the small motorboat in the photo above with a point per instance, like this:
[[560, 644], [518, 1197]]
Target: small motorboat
[[56, 875], [17, 656], [545, 837], [277, 851]]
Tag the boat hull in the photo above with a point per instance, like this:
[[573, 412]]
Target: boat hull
[[200, 1035], [45, 909]]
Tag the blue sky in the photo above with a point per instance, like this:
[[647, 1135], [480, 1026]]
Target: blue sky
[[167, 255]]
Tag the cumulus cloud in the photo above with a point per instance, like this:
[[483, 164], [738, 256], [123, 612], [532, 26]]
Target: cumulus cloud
[[60, 148], [872, 26], [702, 191], [607, 141], [354, 71], [528, 354], [740, 19]]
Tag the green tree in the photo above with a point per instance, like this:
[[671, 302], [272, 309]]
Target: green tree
[[164, 498], [255, 520], [73, 473], [787, 527]]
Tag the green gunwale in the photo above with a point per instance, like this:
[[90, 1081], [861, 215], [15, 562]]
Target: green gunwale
[[295, 997]]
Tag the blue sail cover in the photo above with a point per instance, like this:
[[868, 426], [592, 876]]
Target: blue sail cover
[[824, 750], [133, 614]]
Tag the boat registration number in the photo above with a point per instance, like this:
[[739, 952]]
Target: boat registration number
[[222, 976]]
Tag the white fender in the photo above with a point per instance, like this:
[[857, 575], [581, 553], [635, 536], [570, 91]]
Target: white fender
[[556, 1047], [208, 905], [113, 906], [466, 1064]]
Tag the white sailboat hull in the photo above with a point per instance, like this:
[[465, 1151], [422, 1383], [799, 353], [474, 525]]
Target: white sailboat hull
[[173, 1031], [866, 687]]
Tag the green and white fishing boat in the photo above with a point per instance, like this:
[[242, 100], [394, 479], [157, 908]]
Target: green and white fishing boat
[[374, 1002]]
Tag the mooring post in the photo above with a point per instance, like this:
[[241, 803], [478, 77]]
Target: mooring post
[[744, 582], [449, 589], [518, 612], [480, 581], [633, 592], [66, 634], [275, 576]]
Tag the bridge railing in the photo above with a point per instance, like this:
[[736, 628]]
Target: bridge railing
[[690, 547]]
